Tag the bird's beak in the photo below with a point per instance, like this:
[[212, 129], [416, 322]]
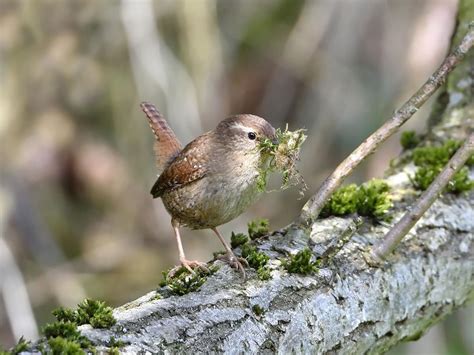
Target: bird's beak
[[275, 141]]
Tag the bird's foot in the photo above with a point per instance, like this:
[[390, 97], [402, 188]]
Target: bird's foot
[[189, 265], [234, 262]]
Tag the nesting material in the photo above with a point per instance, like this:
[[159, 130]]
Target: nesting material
[[282, 157]]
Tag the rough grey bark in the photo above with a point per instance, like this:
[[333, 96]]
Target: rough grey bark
[[347, 307]]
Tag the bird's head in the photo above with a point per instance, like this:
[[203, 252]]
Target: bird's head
[[245, 133]]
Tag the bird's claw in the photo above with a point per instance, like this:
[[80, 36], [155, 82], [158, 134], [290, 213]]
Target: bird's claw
[[189, 265], [235, 262]]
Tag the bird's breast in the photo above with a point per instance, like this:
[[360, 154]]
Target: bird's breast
[[216, 199]]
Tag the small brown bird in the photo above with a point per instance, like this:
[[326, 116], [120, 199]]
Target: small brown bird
[[213, 179]]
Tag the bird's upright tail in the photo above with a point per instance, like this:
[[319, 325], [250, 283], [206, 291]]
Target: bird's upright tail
[[167, 145]]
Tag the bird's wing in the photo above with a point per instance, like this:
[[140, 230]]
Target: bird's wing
[[166, 146], [190, 165]]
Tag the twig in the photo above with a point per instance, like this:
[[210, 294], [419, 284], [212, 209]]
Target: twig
[[313, 207], [402, 227]]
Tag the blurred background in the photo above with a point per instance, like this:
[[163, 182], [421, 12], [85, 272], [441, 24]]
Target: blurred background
[[77, 219]]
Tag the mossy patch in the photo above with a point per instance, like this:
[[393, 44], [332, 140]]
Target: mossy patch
[[93, 312], [257, 310], [435, 155], [256, 260], [431, 160], [374, 199], [371, 199], [61, 346], [63, 337], [460, 181], [409, 140], [258, 228], [114, 345], [282, 157], [301, 263], [183, 282], [264, 273], [343, 201], [20, 346], [238, 239]]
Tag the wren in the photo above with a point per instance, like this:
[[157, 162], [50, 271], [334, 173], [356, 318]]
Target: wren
[[213, 179]]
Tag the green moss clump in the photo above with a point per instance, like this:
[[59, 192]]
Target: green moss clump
[[255, 258], [238, 239], [62, 335], [258, 228], [114, 345], [61, 346], [460, 182], [409, 140], [21, 345], [65, 314], [371, 199], [343, 201], [431, 160], [93, 312], [257, 310], [65, 329], [470, 161], [424, 176], [263, 273], [301, 263], [183, 282], [435, 155]]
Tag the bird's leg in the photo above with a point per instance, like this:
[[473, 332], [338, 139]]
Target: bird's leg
[[230, 257], [188, 264]]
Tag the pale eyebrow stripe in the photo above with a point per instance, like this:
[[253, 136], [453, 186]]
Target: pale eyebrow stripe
[[243, 128]]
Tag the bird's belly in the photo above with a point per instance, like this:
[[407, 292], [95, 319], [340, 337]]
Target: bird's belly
[[207, 204]]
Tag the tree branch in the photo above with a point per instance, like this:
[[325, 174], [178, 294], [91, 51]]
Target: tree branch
[[313, 207], [396, 234], [346, 306]]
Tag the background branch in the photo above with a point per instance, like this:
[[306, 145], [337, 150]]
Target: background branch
[[396, 234], [315, 204]]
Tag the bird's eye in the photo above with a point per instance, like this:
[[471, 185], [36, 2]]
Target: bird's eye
[[252, 135]]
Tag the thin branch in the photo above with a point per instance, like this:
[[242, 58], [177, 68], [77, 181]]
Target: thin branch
[[15, 296], [402, 227], [313, 207]]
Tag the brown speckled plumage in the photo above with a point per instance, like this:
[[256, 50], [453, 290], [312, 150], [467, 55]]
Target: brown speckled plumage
[[188, 166], [167, 146]]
